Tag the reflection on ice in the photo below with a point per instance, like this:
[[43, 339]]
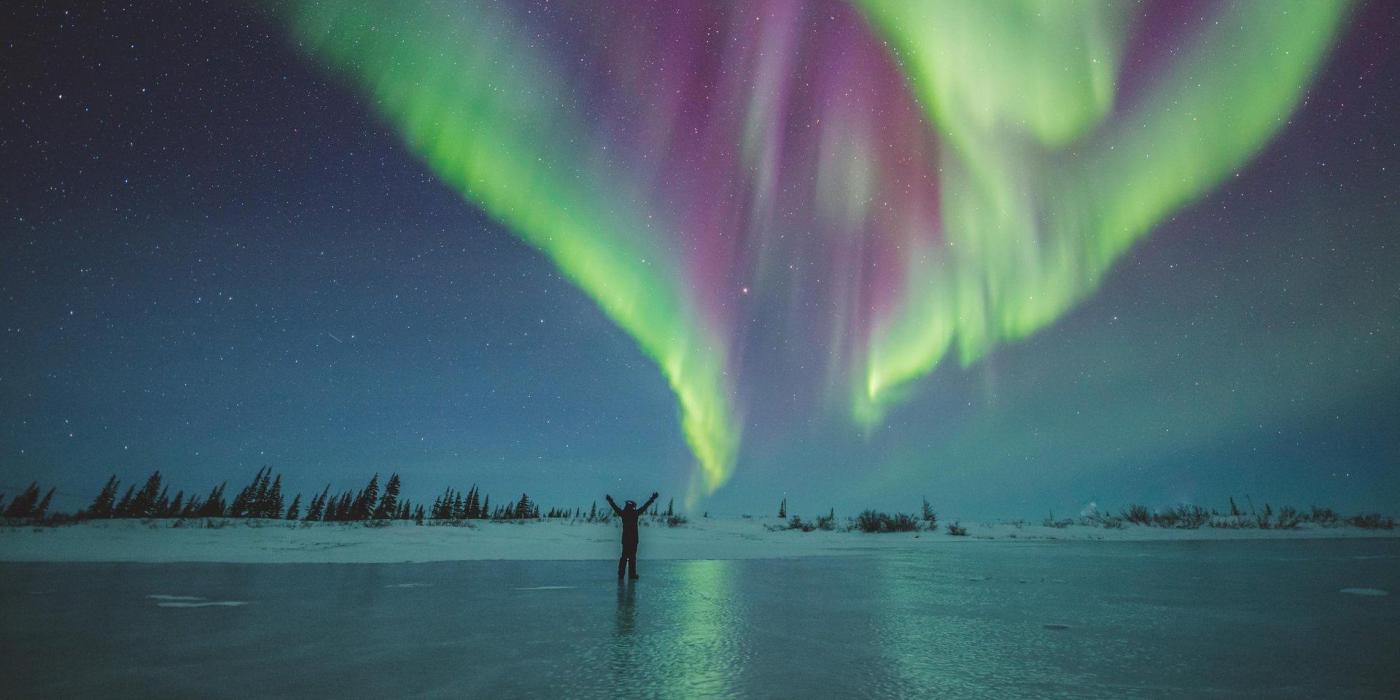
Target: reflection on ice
[[1093, 620]]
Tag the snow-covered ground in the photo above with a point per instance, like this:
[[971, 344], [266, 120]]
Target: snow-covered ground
[[271, 541]]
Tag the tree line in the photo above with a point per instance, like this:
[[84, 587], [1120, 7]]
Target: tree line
[[455, 506], [263, 497]]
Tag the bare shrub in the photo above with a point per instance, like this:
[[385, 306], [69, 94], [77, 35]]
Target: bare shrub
[[875, 521], [1372, 521], [1137, 514], [1288, 518], [1323, 516]]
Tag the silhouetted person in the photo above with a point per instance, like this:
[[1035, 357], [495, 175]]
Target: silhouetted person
[[629, 514]]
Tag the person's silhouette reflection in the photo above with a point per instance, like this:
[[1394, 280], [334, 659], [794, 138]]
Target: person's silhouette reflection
[[626, 608]]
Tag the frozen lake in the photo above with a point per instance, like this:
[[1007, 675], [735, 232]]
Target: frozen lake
[[971, 619]]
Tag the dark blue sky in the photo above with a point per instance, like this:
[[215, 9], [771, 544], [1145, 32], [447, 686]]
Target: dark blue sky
[[213, 258]]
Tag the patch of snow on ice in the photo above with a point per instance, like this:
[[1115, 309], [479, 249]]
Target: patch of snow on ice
[[1365, 591], [164, 596], [1055, 626], [205, 604], [408, 585], [546, 588]]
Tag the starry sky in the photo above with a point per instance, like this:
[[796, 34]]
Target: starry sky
[[807, 250]]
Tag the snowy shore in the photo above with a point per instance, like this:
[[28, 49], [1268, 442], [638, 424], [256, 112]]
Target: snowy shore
[[273, 541]]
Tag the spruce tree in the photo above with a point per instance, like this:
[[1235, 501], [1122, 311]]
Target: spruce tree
[[363, 506], [318, 505], [473, 503], [389, 503], [273, 502], [259, 504], [671, 507], [485, 507], [104, 502], [23, 504], [173, 509], [43, 508], [123, 509], [332, 509], [214, 506], [144, 503], [294, 510], [782, 509], [246, 497], [418, 516]]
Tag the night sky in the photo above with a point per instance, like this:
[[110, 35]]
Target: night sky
[[731, 253]]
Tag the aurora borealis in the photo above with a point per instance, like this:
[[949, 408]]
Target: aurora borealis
[[965, 188], [862, 248]]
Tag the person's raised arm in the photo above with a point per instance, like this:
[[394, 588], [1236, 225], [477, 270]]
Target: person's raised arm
[[613, 503], [647, 505]]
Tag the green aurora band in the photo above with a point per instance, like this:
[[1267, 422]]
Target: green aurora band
[[1044, 178], [1041, 190], [492, 122]]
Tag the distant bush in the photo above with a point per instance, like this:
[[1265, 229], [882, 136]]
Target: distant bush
[[1185, 517], [1096, 518], [957, 530], [874, 521], [827, 522], [871, 521], [1288, 518], [675, 520], [1232, 522], [1323, 516], [797, 523], [1137, 515], [1261, 518], [930, 517], [1372, 521], [1060, 524]]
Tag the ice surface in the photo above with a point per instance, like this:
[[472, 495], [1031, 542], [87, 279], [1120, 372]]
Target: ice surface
[[1165, 619]]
